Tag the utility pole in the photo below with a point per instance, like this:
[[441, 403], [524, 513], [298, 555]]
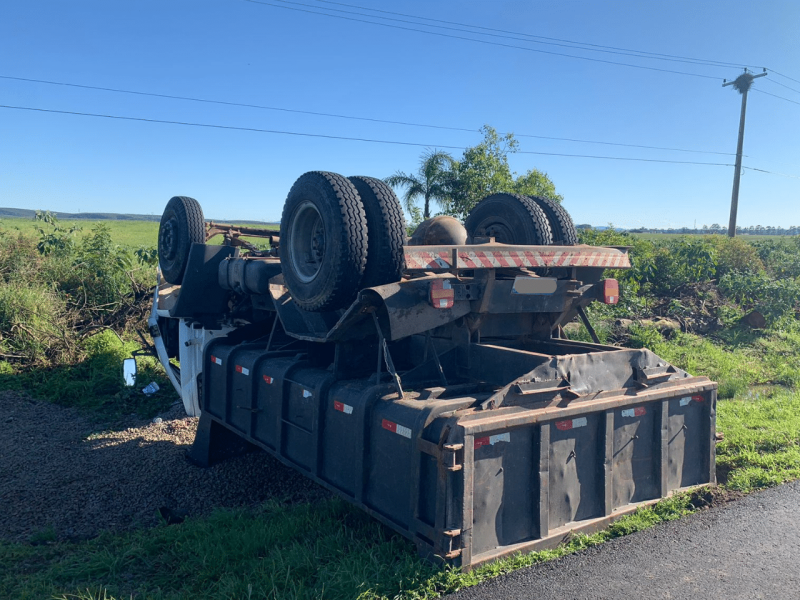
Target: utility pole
[[741, 83]]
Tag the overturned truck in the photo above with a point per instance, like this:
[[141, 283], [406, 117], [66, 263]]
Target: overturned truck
[[426, 380]]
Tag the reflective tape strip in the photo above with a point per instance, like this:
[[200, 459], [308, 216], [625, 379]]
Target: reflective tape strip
[[396, 428], [571, 424], [342, 407], [492, 439], [492, 259], [216, 360], [306, 394], [634, 412], [268, 379], [242, 370], [687, 399]]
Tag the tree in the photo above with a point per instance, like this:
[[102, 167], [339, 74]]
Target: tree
[[484, 170], [536, 183], [432, 181]]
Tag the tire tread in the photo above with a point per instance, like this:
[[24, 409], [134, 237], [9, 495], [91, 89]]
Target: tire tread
[[386, 231]]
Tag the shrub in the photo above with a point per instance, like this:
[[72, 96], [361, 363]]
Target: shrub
[[780, 257], [735, 254], [32, 323], [772, 297]]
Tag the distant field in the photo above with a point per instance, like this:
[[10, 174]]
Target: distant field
[[669, 236], [133, 234]]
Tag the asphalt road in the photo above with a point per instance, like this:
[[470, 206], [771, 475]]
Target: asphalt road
[[749, 548]]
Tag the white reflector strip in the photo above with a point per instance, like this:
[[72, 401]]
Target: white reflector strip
[[216, 360], [242, 370], [634, 412], [306, 394], [686, 400]]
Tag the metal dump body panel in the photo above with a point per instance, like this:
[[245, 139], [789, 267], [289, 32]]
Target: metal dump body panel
[[581, 472], [635, 466], [576, 475], [466, 484], [506, 488]]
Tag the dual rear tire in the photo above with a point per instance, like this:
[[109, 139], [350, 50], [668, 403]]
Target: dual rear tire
[[521, 220], [339, 235]]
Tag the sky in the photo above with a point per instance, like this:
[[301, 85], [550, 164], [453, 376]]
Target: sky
[[340, 58]]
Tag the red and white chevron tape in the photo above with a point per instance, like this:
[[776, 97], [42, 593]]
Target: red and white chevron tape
[[439, 259]]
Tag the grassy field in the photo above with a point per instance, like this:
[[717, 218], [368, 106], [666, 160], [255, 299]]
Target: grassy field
[[132, 234], [672, 236]]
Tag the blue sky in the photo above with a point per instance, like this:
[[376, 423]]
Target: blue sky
[[244, 52]]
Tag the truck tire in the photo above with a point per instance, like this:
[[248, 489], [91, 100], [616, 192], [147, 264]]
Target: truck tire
[[561, 225], [386, 231], [510, 219], [181, 226], [323, 241]]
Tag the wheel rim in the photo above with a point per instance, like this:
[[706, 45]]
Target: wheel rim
[[168, 239], [500, 230], [307, 242]]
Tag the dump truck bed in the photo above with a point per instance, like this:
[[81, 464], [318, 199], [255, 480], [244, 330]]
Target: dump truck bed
[[445, 404]]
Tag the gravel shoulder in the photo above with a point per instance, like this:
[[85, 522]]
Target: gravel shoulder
[[62, 473]]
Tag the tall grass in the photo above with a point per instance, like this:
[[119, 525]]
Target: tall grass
[[66, 305]]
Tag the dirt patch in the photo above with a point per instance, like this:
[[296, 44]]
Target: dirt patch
[[60, 475], [708, 497]]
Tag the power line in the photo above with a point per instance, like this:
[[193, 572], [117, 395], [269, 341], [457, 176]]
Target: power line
[[339, 137], [771, 172], [551, 39], [784, 76], [239, 104], [544, 137], [775, 96], [339, 116], [782, 85], [231, 127], [500, 44], [509, 35]]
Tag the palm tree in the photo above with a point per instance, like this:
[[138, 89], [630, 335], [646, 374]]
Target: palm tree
[[431, 181]]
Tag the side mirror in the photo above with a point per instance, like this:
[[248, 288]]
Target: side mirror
[[129, 371]]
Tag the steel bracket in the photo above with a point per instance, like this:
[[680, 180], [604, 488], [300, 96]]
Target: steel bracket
[[453, 457]]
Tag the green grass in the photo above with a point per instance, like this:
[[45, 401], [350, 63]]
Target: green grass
[[762, 439], [326, 549], [95, 384]]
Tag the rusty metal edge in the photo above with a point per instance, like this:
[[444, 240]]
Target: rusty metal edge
[[518, 416]]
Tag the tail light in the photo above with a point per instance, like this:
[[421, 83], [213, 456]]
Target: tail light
[[442, 294], [610, 291]]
